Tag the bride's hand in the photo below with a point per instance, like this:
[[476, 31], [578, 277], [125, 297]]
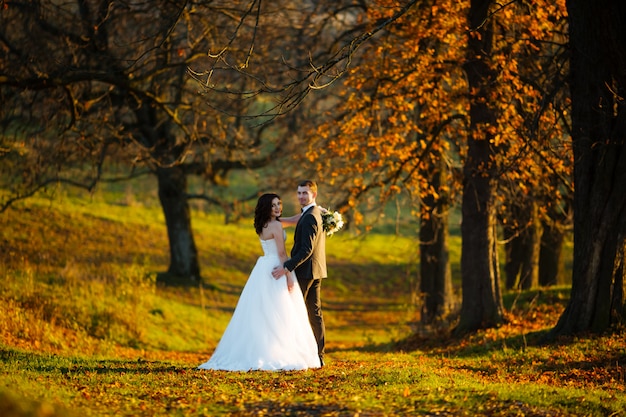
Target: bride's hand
[[290, 283]]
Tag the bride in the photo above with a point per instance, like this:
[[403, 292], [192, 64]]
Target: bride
[[269, 329]]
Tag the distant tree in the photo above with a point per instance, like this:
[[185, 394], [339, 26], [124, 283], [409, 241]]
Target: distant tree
[[522, 238], [536, 182], [398, 111], [94, 84], [405, 109], [517, 115], [482, 300], [90, 85], [435, 271], [597, 33], [551, 259]]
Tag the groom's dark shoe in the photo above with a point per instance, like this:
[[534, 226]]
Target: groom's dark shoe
[[322, 362]]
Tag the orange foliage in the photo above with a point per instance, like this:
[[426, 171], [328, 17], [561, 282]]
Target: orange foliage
[[405, 102]]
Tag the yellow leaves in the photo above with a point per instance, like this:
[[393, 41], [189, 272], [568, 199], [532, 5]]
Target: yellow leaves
[[523, 187]]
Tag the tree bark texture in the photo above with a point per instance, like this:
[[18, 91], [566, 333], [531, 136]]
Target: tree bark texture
[[597, 83], [481, 299], [172, 194]]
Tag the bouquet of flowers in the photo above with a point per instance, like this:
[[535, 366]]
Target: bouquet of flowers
[[331, 221]]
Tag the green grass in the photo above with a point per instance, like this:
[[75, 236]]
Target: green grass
[[85, 331]]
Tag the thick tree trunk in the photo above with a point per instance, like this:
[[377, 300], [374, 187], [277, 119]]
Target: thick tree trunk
[[184, 267], [598, 88], [482, 300], [435, 273]]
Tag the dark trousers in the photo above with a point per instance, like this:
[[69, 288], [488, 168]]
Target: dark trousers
[[311, 291]]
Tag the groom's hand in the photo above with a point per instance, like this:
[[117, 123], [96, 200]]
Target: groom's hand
[[278, 271]]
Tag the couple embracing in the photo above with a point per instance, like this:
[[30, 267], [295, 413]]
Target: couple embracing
[[277, 323]]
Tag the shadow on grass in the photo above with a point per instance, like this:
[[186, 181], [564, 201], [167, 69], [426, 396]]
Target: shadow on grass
[[602, 357], [526, 311], [293, 409], [44, 363], [361, 307], [604, 354], [167, 279], [366, 348], [473, 344]]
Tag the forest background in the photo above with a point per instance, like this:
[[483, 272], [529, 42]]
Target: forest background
[[475, 110]]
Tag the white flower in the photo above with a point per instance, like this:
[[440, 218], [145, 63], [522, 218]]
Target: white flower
[[331, 221]]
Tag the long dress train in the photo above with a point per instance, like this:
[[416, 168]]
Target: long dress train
[[269, 329]]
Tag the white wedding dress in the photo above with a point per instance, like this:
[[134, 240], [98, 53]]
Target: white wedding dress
[[269, 329]]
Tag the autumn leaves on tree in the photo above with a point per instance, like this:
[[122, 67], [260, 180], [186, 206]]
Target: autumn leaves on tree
[[459, 100], [451, 104]]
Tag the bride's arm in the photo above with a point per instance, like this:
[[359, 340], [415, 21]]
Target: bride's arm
[[277, 234], [290, 221]]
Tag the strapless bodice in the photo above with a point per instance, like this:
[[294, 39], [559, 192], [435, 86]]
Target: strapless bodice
[[269, 247]]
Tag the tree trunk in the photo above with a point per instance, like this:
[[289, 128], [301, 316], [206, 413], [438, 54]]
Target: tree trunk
[[523, 246], [529, 274], [551, 256], [482, 300], [597, 83], [184, 267], [513, 258], [435, 273]]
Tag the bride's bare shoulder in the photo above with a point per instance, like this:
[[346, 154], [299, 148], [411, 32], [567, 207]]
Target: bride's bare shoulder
[[273, 229], [274, 225]]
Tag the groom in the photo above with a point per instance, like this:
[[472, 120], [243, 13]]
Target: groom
[[308, 259]]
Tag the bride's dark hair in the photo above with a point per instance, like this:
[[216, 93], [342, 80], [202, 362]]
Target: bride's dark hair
[[263, 211]]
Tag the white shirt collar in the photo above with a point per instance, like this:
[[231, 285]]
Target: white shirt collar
[[305, 208]]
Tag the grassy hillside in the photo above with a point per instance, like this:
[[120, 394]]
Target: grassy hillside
[[85, 328], [90, 266]]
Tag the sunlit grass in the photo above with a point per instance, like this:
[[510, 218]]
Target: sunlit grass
[[85, 328], [91, 268], [381, 383]]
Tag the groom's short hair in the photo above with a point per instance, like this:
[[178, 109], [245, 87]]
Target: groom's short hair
[[309, 183]]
